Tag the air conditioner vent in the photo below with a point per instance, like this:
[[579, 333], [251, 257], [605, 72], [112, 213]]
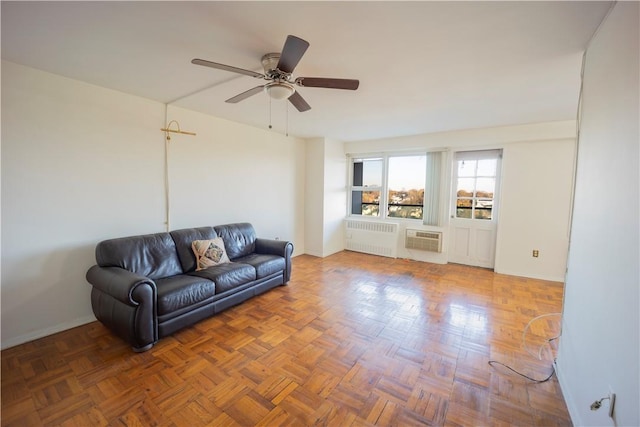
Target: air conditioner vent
[[429, 241], [428, 235]]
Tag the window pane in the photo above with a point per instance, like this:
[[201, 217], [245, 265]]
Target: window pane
[[356, 202], [407, 172], [463, 213], [413, 212], [465, 187], [467, 167], [487, 167], [367, 172], [483, 209], [485, 187], [464, 208], [365, 203], [406, 178], [371, 203], [412, 197], [482, 213]]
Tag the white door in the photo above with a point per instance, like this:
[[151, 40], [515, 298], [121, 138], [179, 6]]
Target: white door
[[476, 176]]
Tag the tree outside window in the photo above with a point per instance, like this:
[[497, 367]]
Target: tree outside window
[[389, 186], [406, 178], [475, 188]]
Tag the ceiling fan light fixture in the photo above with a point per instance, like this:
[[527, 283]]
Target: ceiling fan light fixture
[[279, 90]]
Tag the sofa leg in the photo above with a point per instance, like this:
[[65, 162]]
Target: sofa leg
[[142, 349]]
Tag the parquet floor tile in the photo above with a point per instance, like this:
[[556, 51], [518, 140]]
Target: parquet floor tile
[[353, 340]]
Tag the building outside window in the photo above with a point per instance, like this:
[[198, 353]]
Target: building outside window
[[366, 187]]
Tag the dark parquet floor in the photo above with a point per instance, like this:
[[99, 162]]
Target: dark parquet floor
[[353, 340]]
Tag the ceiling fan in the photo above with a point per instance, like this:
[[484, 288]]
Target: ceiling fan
[[277, 71]]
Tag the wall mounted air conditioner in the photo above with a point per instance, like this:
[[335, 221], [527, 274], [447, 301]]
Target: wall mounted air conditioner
[[430, 241]]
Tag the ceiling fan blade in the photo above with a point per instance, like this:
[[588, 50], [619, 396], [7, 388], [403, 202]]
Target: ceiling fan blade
[[348, 84], [244, 95], [298, 101], [294, 48], [224, 67]]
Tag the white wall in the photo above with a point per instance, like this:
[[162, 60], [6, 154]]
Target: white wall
[[534, 210], [79, 164], [231, 172], [475, 139], [314, 197], [82, 163], [326, 196], [335, 196], [525, 147], [600, 344]]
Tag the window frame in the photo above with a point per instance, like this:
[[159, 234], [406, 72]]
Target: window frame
[[476, 155], [383, 208], [364, 188]]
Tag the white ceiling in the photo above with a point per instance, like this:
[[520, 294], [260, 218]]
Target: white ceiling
[[423, 66]]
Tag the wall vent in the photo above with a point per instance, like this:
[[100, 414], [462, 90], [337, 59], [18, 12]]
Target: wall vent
[[430, 241], [380, 227], [370, 237]]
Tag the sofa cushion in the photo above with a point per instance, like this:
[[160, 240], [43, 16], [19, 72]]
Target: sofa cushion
[[239, 239], [264, 264], [209, 253], [182, 291], [228, 276], [150, 255], [183, 239]]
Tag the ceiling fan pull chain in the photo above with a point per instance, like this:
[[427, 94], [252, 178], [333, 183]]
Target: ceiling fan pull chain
[[286, 131], [269, 112]]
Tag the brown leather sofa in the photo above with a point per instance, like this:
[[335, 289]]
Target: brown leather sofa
[[147, 287]]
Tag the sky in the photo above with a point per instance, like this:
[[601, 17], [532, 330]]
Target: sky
[[405, 173]]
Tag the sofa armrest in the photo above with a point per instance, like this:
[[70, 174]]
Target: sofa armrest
[[118, 283], [281, 248], [125, 302]]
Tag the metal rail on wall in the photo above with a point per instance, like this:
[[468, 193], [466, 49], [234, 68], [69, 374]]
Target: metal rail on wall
[[168, 129], [167, 195]]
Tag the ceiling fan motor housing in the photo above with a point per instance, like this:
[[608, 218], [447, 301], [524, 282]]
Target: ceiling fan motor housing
[[270, 65], [279, 88]]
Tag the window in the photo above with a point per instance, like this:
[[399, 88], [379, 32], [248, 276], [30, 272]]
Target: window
[[366, 187], [393, 186], [475, 184], [406, 180]]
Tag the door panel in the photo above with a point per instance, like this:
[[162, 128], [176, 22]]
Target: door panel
[[461, 239], [484, 250]]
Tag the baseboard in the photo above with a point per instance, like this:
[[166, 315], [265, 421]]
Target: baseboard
[[532, 276], [41, 333], [571, 407]]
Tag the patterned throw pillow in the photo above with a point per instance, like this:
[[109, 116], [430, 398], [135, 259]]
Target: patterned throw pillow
[[209, 253]]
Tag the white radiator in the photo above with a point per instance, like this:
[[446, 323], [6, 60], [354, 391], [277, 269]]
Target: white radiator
[[430, 241], [377, 238]]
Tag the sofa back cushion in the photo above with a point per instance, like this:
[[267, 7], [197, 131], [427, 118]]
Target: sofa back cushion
[[239, 239], [151, 255], [183, 240]]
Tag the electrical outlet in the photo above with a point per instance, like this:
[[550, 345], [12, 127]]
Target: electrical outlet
[[536, 253]]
